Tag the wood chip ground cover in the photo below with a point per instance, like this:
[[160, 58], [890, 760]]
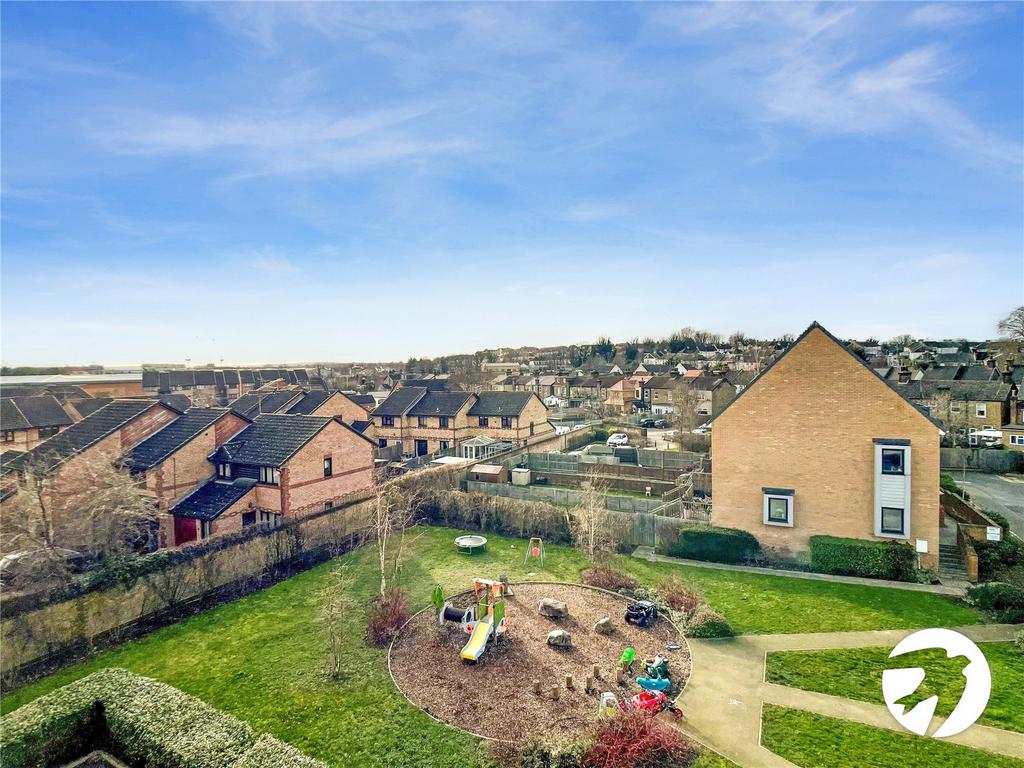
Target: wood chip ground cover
[[494, 697]]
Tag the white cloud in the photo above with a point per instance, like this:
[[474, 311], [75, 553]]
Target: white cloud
[[594, 211], [942, 14]]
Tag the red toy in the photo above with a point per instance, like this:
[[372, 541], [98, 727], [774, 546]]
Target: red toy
[[653, 702]]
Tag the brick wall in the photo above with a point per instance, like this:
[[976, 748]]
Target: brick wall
[[808, 424], [303, 483]]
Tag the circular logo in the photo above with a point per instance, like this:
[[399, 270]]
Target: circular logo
[[897, 684]]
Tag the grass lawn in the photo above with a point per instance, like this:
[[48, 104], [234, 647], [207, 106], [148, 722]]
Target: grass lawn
[[261, 658], [814, 741], [761, 603], [857, 674]]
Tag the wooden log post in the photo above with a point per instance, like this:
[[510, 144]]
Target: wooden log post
[[597, 672], [569, 683], [591, 686], [536, 687], [556, 693], [620, 676]]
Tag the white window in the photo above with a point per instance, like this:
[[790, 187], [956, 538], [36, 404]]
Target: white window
[[224, 470], [1016, 439], [892, 488], [205, 529], [778, 507], [270, 475], [954, 407], [981, 410]]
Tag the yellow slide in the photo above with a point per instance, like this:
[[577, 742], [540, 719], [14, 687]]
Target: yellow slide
[[478, 640]]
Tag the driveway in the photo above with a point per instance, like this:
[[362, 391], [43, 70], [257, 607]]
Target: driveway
[[999, 493]]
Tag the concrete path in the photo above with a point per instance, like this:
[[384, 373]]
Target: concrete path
[[955, 589], [722, 700]]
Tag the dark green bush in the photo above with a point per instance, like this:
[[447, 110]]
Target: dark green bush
[[893, 560], [716, 545], [1004, 601], [946, 482], [708, 623]]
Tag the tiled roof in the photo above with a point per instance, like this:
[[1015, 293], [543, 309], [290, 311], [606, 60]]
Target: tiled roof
[[51, 453], [271, 439], [978, 373], [311, 401], [440, 404], [255, 403], [89, 405], [500, 403], [158, 446], [400, 401], [32, 412], [361, 426], [210, 499], [980, 391], [431, 384], [366, 401]]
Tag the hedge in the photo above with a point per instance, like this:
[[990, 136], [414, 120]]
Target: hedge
[[716, 545], [1004, 601], [894, 560], [141, 721]]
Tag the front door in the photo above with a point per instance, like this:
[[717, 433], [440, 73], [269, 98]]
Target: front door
[[184, 530], [421, 447]]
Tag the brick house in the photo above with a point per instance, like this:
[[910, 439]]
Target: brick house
[[279, 466], [818, 443], [174, 461], [62, 460], [27, 421], [423, 422], [323, 403], [966, 406]]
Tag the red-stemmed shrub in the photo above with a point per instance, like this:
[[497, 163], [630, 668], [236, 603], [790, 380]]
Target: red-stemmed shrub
[[680, 597], [638, 740], [608, 578], [386, 616]]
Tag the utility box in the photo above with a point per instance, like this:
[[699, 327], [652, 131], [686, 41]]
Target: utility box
[[521, 476]]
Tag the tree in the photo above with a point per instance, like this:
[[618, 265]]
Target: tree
[[97, 510], [631, 350], [901, 342], [604, 348], [589, 521], [337, 604], [685, 404], [393, 512], [1012, 326]]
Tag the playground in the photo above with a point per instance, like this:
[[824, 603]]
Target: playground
[[495, 696]]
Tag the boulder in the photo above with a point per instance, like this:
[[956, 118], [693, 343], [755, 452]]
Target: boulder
[[553, 609], [559, 638], [604, 626]]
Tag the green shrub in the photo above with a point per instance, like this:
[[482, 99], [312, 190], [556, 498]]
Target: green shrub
[[894, 560], [716, 545], [142, 721], [1004, 601], [708, 623], [947, 483]]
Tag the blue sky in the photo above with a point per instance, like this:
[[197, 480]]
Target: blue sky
[[261, 183]]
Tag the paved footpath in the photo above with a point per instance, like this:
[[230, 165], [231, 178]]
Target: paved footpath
[[722, 700]]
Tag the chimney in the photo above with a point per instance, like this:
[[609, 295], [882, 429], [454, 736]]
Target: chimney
[[1008, 368], [904, 375]]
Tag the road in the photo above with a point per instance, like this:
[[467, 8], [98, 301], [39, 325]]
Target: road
[[999, 493]]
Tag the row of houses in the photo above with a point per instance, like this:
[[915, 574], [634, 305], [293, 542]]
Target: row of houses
[[267, 456], [421, 421]]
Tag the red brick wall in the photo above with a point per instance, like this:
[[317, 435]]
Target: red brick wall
[[303, 483]]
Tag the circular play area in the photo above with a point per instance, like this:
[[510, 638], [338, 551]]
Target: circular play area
[[475, 662]]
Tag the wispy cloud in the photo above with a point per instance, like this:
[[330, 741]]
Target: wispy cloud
[[821, 67], [595, 211]]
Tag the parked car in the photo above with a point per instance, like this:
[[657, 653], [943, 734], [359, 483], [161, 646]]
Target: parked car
[[662, 424], [617, 438], [648, 423], [703, 429]]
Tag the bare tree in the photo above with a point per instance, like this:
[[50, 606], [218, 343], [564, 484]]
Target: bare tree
[[337, 603], [590, 521], [1012, 326], [685, 405], [393, 512], [98, 509]]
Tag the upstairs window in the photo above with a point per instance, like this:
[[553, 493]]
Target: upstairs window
[[8, 437], [48, 432], [892, 461], [421, 421], [981, 410], [506, 422], [387, 421], [270, 475], [442, 422], [328, 466], [483, 421], [223, 470]]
